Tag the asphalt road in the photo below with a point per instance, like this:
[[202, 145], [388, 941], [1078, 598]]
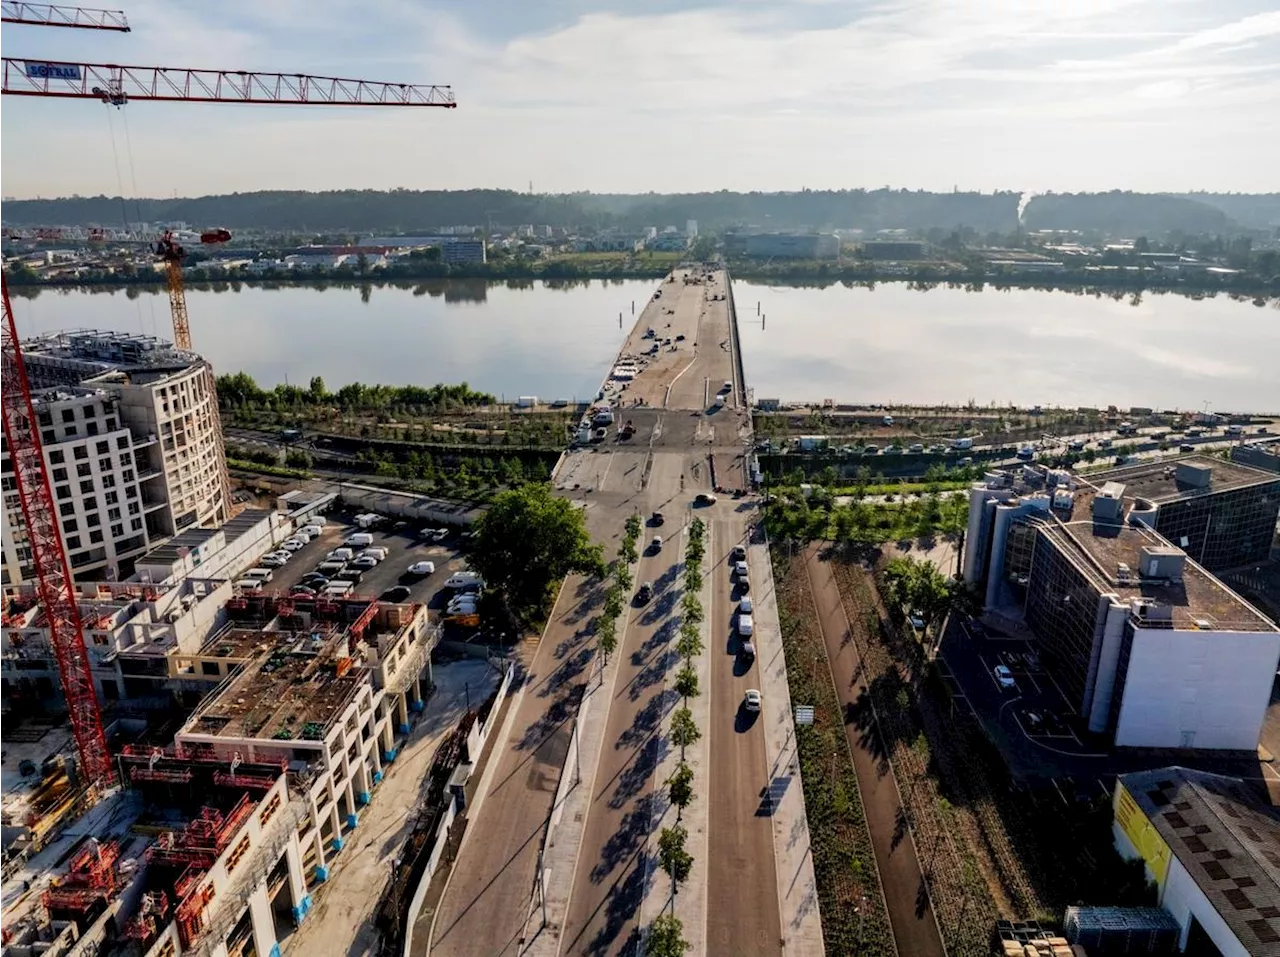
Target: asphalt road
[[662, 466]]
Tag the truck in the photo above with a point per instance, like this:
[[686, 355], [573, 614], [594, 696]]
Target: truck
[[965, 443]]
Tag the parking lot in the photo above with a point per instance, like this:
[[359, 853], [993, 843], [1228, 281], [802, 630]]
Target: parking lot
[[404, 547]]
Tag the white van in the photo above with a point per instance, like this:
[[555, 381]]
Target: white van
[[259, 574], [317, 520], [358, 540], [311, 530], [376, 551], [248, 585], [340, 555], [368, 519]]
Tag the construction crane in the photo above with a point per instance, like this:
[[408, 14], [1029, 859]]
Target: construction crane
[[116, 86], [166, 247]]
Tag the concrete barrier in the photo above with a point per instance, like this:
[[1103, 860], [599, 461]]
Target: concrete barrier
[[424, 883]]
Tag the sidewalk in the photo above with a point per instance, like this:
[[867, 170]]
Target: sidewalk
[[797, 887], [342, 920]]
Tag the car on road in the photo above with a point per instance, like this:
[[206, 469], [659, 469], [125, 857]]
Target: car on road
[[751, 700], [746, 626], [656, 544], [739, 553], [645, 593], [1186, 448], [422, 568], [739, 570], [747, 650], [398, 593], [704, 498], [1004, 678], [744, 605], [657, 518]]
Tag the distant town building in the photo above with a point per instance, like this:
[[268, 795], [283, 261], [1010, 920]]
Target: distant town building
[[889, 250], [1259, 455], [784, 245], [464, 251], [669, 242], [691, 228]]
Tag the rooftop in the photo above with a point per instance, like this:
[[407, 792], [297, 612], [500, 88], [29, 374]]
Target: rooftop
[[177, 547], [1227, 839], [89, 353], [300, 677], [1100, 548], [1158, 482]]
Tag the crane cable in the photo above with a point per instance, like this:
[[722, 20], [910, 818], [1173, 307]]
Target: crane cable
[[137, 203], [124, 208]]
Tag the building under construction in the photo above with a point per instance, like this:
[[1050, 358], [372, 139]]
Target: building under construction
[[241, 816]]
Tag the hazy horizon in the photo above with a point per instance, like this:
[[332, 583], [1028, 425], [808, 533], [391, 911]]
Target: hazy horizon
[[623, 97]]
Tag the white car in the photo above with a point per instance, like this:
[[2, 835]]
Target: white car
[[365, 562], [422, 568], [311, 531], [751, 700], [1004, 678], [271, 561], [740, 569], [462, 579], [293, 544], [746, 626], [744, 605]]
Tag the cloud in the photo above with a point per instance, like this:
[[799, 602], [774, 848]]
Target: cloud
[[667, 95]]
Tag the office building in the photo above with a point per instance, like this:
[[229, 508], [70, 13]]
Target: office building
[[782, 245], [457, 251], [886, 250], [1211, 846], [1149, 648]]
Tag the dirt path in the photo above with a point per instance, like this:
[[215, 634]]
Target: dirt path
[[914, 928]]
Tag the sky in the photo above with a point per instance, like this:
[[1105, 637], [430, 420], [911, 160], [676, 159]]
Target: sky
[[631, 96]]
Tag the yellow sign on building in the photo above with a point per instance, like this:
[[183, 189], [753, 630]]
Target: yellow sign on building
[[1142, 834]]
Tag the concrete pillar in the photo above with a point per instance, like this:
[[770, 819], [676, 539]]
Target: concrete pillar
[[417, 704], [376, 753], [362, 783], [264, 928], [298, 895], [402, 713], [352, 818], [322, 867], [335, 819]]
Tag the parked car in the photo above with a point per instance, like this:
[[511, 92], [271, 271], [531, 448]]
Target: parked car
[[746, 626], [341, 554], [751, 700], [744, 605], [434, 534], [302, 591], [327, 568], [422, 568], [311, 531], [740, 569], [375, 551], [1004, 678], [248, 585], [365, 562], [738, 554], [748, 650], [352, 575], [462, 579], [398, 593], [314, 580], [358, 540], [645, 593], [271, 561], [293, 544]]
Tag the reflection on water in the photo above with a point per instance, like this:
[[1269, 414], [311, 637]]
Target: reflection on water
[[945, 345], [890, 343], [523, 337]]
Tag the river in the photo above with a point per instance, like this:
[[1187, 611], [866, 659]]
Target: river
[[890, 344]]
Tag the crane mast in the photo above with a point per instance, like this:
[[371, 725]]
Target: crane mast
[[116, 86]]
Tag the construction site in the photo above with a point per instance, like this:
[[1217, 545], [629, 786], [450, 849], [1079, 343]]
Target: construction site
[[198, 817]]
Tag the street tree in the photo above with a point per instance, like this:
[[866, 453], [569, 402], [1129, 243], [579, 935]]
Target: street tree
[[691, 608], [528, 540], [684, 730], [633, 527], [680, 788], [622, 578], [687, 683], [607, 635], [673, 857], [613, 601], [689, 644], [666, 937]]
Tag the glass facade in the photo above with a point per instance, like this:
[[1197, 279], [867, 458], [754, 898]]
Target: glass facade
[[1223, 529], [1062, 608]]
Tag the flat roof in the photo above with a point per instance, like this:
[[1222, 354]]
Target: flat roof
[[1099, 548], [1157, 482], [168, 553], [1228, 840]]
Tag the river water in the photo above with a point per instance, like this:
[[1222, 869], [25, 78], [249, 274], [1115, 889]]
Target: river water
[[889, 344]]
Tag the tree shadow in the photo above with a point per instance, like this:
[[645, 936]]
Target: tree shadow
[[570, 669], [556, 714], [653, 673], [623, 908], [637, 775], [634, 829], [648, 718]]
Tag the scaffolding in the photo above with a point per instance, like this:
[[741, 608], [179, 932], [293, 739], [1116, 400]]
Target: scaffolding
[[90, 878]]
